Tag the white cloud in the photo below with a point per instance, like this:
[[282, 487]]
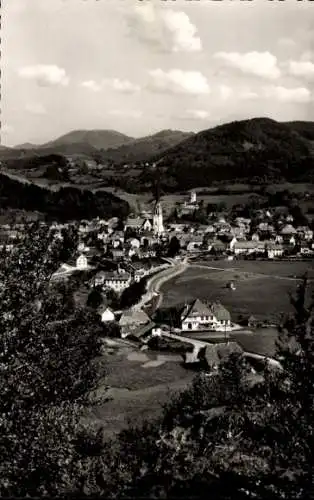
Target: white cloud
[[178, 81], [116, 84], [225, 92], [303, 69], [165, 29], [248, 94], [126, 113], [35, 108], [91, 85], [263, 64], [121, 85], [195, 114], [45, 75], [284, 94]]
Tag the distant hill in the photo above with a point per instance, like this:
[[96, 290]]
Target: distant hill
[[26, 145], [144, 148], [67, 203], [98, 139], [259, 148]]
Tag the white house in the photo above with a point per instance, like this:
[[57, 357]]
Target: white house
[[147, 225], [107, 315], [273, 249], [199, 316], [81, 262], [117, 281]]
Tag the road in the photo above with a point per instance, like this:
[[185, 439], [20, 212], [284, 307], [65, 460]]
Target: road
[[154, 284]]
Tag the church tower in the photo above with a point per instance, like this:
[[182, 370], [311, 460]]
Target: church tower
[[158, 224]]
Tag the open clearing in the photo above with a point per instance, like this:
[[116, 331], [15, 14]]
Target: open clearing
[[140, 384], [262, 287]]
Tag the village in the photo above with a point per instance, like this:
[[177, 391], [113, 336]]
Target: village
[[131, 259]]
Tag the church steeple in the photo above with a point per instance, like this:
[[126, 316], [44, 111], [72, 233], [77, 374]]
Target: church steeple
[[158, 224]]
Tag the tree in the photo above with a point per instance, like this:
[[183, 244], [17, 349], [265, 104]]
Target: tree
[[174, 247], [46, 351], [133, 293], [95, 298]]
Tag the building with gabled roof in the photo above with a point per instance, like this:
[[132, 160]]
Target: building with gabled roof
[[131, 320], [199, 316]]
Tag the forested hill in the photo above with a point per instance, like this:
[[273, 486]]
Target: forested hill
[[143, 149], [258, 148], [68, 203]]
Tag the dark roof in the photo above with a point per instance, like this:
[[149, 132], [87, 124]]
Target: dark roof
[[143, 329], [197, 308]]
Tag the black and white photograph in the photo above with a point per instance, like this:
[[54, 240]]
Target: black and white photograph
[[157, 249]]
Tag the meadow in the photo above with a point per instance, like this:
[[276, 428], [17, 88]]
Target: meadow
[[138, 385], [262, 287]]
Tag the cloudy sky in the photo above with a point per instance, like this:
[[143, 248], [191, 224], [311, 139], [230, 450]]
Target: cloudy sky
[[139, 66]]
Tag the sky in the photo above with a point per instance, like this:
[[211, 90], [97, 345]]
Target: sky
[[140, 66]]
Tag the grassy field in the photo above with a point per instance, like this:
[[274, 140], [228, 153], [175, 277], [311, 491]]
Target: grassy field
[[140, 384], [262, 288]]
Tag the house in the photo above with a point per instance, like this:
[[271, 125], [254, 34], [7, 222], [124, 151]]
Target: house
[[117, 281], [117, 253], [273, 249], [134, 223], [287, 231], [305, 233], [194, 243], [147, 225], [195, 315], [132, 320], [247, 247], [199, 316], [107, 315], [81, 262]]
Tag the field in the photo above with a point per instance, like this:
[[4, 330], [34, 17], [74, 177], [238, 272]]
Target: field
[[262, 287], [140, 384]]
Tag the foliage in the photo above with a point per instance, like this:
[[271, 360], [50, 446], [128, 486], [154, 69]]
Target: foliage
[[174, 247], [95, 298], [131, 295], [46, 351], [67, 203]]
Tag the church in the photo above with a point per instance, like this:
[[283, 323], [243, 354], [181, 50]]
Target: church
[[148, 223]]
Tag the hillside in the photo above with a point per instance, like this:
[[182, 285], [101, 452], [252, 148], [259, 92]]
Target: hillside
[[67, 203], [305, 129], [260, 149], [98, 139], [142, 149], [26, 145]]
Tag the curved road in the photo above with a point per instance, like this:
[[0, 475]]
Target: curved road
[[154, 284]]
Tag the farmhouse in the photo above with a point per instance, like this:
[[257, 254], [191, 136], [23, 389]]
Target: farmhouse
[[131, 320], [81, 262], [199, 316], [107, 315]]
